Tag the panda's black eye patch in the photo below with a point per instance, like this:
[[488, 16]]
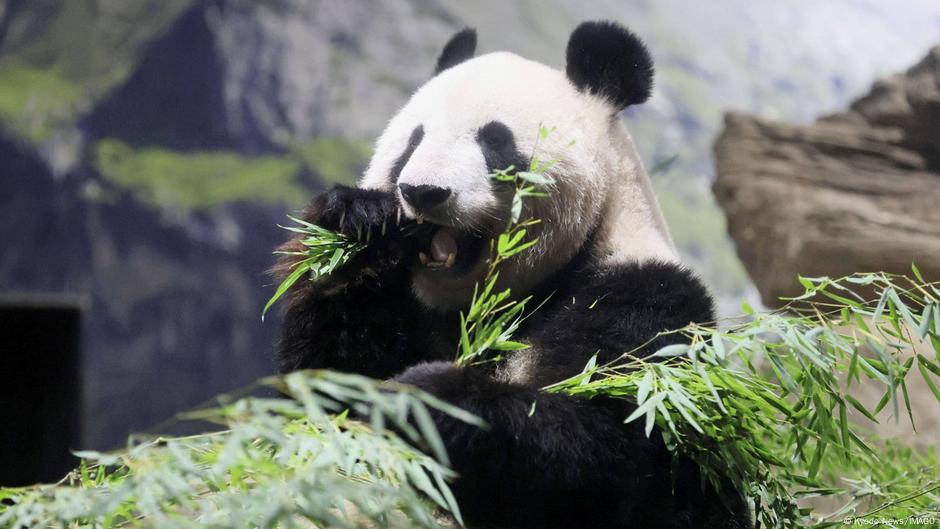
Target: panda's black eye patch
[[495, 135], [499, 147], [413, 141], [416, 136]]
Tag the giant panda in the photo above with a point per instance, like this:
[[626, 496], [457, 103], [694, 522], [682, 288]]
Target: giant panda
[[604, 261]]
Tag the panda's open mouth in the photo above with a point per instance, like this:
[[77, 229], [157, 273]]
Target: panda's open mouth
[[450, 250]]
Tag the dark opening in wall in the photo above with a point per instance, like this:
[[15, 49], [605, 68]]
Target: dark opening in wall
[[40, 391]]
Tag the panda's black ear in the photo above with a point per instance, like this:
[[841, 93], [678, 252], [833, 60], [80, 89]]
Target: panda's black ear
[[606, 59], [459, 48]]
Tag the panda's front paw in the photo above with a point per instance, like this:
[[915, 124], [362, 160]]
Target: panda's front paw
[[360, 213], [445, 380], [367, 215]]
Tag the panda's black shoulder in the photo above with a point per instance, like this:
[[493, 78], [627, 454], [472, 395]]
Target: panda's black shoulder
[[669, 291], [612, 309]]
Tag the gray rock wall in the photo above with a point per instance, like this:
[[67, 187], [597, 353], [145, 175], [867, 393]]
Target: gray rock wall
[[856, 191]]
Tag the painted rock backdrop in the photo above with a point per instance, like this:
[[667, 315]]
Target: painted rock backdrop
[[854, 191], [149, 148]]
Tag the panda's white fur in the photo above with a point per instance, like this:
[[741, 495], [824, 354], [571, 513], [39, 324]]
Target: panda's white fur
[[600, 182]]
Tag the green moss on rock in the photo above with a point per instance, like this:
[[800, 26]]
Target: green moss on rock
[[335, 160], [34, 102], [199, 180]]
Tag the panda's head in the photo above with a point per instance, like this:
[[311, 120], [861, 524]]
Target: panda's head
[[477, 115]]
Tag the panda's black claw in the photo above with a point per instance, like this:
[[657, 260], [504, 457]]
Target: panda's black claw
[[362, 215], [351, 210]]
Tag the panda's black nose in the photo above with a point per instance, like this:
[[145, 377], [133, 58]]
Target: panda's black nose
[[423, 197]]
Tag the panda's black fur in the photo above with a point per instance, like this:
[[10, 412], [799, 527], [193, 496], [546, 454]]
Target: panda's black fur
[[610, 61], [547, 460], [459, 48]]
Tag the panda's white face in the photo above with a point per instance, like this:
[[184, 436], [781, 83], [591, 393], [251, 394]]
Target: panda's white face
[[485, 114]]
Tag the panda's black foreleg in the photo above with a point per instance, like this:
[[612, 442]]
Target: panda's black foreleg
[[357, 319], [362, 331], [552, 461]]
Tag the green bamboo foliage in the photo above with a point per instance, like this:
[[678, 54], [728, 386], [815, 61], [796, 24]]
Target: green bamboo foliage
[[324, 252], [766, 403], [278, 463], [494, 315]]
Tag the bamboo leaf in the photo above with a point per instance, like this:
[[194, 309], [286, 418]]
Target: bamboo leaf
[[288, 282], [668, 351], [508, 345], [648, 407], [644, 387], [861, 409], [535, 178], [927, 379]]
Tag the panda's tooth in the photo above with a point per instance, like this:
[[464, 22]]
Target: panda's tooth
[[383, 227], [423, 257], [451, 259], [398, 216]]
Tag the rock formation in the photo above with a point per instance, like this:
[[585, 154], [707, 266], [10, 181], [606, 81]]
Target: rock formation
[[257, 76], [148, 148], [856, 191], [174, 294]]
